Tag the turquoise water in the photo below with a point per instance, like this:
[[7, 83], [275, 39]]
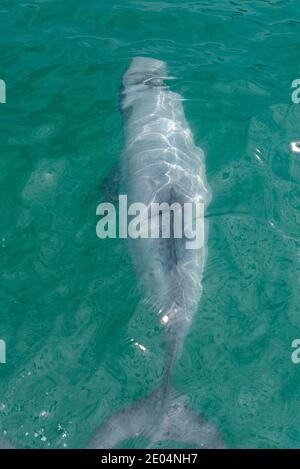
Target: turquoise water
[[68, 301]]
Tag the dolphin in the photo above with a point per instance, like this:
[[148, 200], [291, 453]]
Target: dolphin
[[161, 163]]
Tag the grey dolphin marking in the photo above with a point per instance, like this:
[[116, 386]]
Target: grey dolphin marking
[[161, 163]]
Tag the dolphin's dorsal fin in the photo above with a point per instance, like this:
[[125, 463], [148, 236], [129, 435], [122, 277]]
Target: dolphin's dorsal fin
[[110, 185]]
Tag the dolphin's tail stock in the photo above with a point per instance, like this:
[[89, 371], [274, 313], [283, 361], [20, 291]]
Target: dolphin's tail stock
[[158, 419], [161, 417]]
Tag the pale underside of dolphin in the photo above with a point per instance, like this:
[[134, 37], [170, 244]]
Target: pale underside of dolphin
[[161, 163]]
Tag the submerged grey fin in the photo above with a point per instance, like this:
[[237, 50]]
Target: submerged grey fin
[[158, 418], [110, 185]]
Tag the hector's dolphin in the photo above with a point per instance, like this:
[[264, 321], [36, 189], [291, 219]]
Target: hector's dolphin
[[161, 164]]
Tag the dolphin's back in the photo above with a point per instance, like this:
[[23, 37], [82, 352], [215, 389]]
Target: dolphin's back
[[161, 163]]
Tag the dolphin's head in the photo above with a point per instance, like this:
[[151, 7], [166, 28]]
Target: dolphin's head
[[143, 73], [144, 70]]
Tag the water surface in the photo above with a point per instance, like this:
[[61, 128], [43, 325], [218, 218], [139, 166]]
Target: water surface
[[69, 302]]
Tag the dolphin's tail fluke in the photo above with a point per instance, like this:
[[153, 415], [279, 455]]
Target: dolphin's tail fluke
[[158, 420], [164, 415]]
